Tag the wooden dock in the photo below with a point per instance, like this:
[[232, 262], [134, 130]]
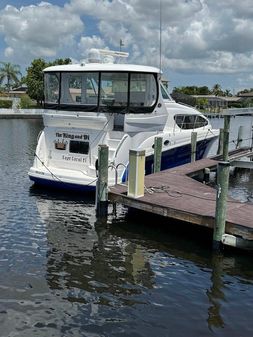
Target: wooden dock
[[173, 193]]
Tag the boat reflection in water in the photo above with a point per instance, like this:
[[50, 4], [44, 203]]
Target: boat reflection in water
[[84, 254], [128, 276]]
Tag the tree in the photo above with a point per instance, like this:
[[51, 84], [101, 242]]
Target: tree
[[202, 103], [245, 91], [9, 73], [203, 90], [216, 90], [227, 93], [60, 62], [193, 90], [34, 78]]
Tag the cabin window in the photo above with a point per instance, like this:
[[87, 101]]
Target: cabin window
[[78, 147], [190, 121], [52, 87], [79, 88]]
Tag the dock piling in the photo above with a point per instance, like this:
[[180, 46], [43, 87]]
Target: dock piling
[[193, 145], [206, 175], [158, 153], [221, 203], [102, 181], [226, 137], [136, 173], [221, 141], [240, 137]]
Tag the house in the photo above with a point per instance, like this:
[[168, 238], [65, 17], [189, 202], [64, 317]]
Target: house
[[18, 92], [217, 103]]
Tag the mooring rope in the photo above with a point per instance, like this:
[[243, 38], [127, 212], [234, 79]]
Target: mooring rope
[[178, 194], [55, 176]]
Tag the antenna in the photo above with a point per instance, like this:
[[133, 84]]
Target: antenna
[[121, 44], [160, 37]]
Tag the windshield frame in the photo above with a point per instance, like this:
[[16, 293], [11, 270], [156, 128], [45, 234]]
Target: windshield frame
[[129, 107]]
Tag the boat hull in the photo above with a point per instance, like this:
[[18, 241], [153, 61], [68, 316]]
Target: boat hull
[[171, 158]]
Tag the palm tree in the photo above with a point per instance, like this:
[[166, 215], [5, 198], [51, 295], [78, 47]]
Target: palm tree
[[9, 73], [216, 90], [227, 93]]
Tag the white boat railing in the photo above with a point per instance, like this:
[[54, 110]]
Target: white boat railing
[[230, 112]]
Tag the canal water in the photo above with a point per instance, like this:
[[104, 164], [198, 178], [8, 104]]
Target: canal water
[[63, 273]]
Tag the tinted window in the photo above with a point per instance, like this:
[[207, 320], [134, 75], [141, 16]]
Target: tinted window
[[79, 147], [190, 121]]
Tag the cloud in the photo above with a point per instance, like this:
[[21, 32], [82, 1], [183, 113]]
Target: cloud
[[38, 31], [89, 42], [198, 36]]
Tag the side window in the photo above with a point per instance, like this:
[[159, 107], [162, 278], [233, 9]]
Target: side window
[[165, 94], [190, 121], [200, 122]]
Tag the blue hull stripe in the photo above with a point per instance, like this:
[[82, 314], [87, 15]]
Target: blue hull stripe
[[62, 185], [174, 157]]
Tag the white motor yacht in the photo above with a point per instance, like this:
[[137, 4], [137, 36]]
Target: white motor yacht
[[121, 105]]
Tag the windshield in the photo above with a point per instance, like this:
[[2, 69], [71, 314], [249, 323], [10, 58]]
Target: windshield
[[121, 92]]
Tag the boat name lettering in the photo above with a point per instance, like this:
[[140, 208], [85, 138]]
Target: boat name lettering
[[75, 159], [72, 136]]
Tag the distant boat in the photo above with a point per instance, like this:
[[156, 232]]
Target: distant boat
[[121, 105]]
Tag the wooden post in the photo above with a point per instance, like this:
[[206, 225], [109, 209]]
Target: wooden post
[[158, 153], [102, 182], [221, 141], [240, 137], [193, 145], [206, 175], [226, 137], [221, 203], [136, 173]]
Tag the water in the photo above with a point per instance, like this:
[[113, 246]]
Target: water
[[63, 273]]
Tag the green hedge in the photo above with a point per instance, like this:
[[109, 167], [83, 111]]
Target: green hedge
[[26, 102], [5, 104]]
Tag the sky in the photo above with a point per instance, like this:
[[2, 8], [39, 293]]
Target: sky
[[204, 42]]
